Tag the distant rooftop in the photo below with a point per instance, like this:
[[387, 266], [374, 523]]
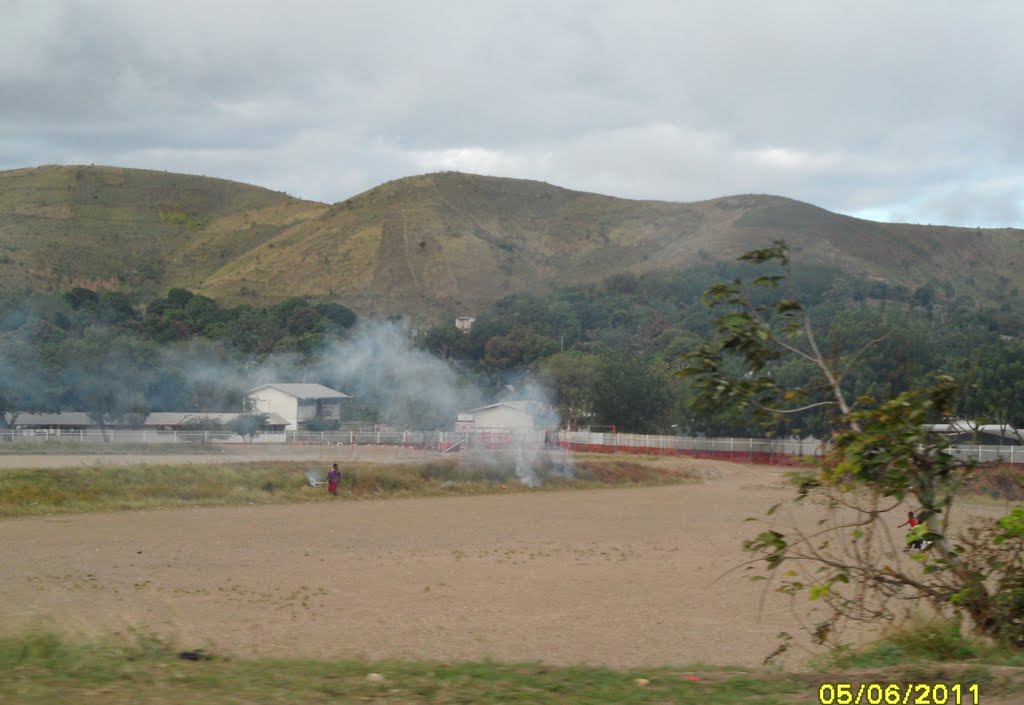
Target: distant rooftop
[[305, 391]]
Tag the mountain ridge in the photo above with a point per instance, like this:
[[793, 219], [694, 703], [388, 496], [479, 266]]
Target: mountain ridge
[[435, 245]]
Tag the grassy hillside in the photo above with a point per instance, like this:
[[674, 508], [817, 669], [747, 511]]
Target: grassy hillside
[[106, 227], [436, 245]]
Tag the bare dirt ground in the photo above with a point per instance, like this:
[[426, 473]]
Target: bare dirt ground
[[619, 577]]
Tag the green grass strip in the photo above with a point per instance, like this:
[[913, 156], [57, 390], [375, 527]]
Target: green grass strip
[[44, 669]]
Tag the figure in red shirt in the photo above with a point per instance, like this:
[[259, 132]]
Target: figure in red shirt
[[912, 521]]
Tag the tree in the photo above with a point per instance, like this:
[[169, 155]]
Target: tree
[[994, 389], [444, 341], [339, 316], [519, 349], [882, 459], [26, 383], [251, 422], [108, 376], [249, 425], [629, 395], [574, 376]]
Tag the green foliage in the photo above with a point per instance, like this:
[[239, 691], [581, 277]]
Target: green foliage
[[26, 381], [318, 424], [201, 422], [44, 667], [626, 334], [912, 641], [881, 457], [444, 341], [248, 426]]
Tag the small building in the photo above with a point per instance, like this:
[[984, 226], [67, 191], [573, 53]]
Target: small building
[[298, 403], [71, 421], [187, 421], [464, 323], [54, 423], [509, 415]]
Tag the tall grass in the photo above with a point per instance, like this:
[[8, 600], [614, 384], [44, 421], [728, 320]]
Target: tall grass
[[123, 487]]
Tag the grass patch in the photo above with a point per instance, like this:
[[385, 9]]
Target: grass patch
[[43, 668], [912, 642], [920, 641], [102, 488]]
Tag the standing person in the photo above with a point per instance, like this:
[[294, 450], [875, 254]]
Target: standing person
[[911, 521], [333, 478]]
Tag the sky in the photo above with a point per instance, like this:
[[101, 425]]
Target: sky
[[908, 111]]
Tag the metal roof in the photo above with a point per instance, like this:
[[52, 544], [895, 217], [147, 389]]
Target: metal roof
[[67, 418], [535, 408], [157, 418], [305, 391]]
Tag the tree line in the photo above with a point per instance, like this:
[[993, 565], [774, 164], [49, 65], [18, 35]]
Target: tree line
[[97, 352], [608, 354], [611, 352]]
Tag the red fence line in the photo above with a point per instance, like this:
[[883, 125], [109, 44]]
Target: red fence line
[[754, 457]]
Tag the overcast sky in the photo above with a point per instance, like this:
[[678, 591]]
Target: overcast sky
[[905, 110]]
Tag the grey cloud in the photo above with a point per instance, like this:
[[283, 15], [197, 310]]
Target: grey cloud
[[868, 107]]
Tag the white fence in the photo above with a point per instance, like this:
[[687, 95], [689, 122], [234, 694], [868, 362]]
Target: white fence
[[725, 447], [738, 449], [989, 454], [130, 437], [441, 441], [756, 449]]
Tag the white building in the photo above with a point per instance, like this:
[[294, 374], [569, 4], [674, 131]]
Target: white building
[[509, 415], [964, 431], [298, 403]]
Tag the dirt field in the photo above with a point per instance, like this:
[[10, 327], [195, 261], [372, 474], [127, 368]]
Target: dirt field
[[624, 577]]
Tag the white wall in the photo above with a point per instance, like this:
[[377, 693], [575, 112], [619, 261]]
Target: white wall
[[502, 417], [274, 401]]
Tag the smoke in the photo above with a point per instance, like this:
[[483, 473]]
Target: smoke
[[388, 377], [380, 366]]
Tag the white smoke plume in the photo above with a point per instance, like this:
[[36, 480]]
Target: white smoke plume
[[378, 366]]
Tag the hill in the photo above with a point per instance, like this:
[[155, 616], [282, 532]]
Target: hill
[[130, 229], [435, 245]]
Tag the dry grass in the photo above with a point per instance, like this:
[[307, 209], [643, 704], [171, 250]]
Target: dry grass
[[390, 249], [100, 488], [1000, 482]]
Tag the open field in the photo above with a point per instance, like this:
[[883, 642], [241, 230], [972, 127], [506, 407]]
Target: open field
[[625, 578]]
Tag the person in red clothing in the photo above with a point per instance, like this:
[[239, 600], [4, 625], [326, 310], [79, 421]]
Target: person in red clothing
[[333, 478], [912, 521]]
